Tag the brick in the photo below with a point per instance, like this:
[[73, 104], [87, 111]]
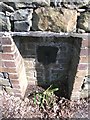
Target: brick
[[85, 43], [8, 64], [85, 52], [9, 48], [16, 54], [15, 81], [17, 91], [82, 67], [7, 56], [81, 73], [13, 76], [9, 70], [18, 59], [84, 59], [6, 41]]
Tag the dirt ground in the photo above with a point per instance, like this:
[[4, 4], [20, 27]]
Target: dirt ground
[[13, 107]]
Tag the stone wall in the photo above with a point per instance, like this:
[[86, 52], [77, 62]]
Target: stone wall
[[46, 26], [33, 62], [54, 15]]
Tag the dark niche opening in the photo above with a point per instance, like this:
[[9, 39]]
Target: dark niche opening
[[47, 54]]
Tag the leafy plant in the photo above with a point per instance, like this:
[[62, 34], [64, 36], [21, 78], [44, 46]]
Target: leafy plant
[[46, 97]]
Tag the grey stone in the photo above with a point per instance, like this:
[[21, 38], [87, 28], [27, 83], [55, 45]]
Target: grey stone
[[78, 3], [84, 21], [4, 82], [21, 26], [85, 91], [5, 7], [23, 5], [81, 30], [54, 19], [16, 4], [71, 4], [4, 22], [22, 14]]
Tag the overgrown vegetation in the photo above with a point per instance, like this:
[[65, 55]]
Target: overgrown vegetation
[[45, 98]]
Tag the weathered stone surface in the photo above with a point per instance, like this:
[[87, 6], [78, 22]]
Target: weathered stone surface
[[22, 25], [27, 3], [54, 19], [85, 92], [23, 5], [22, 14], [84, 21], [70, 3], [75, 3], [5, 7], [4, 22]]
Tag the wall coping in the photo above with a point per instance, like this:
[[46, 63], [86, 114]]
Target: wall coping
[[45, 34]]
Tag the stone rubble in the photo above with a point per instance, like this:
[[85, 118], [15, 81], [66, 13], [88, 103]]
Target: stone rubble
[[42, 15]]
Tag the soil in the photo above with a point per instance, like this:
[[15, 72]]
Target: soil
[[16, 108]]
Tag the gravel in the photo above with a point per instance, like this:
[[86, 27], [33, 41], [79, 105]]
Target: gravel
[[15, 107]]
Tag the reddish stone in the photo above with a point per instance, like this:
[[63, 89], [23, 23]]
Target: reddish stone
[[8, 64], [9, 48], [13, 76], [84, 59], [85, 52], [6, 41], [86, 43], [82, 66], [7, 56], [9, 70]]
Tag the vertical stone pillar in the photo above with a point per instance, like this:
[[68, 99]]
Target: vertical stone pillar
[[12, 62]]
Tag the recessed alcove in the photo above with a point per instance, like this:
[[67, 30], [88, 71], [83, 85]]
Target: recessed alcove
[[50, 59]]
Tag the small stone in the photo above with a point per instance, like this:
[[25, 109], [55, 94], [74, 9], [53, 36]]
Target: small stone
[[5, 24], [72, 4], [84, 21], [26, 100], [6, 7], [21, 26], [22, 14]]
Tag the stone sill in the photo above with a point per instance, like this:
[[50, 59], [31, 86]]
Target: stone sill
[[45, 34]]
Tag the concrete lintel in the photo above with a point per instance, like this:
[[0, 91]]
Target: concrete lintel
[[45, 34]]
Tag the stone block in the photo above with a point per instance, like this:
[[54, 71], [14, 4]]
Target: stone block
[[54, 19], [83, 66], [4, 82], [22, 15], [9, 48], [7, 56], [22, 26], [4, 22], [84, 21], [8, 64], [85, 52], [85, 43], [6, 40]]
